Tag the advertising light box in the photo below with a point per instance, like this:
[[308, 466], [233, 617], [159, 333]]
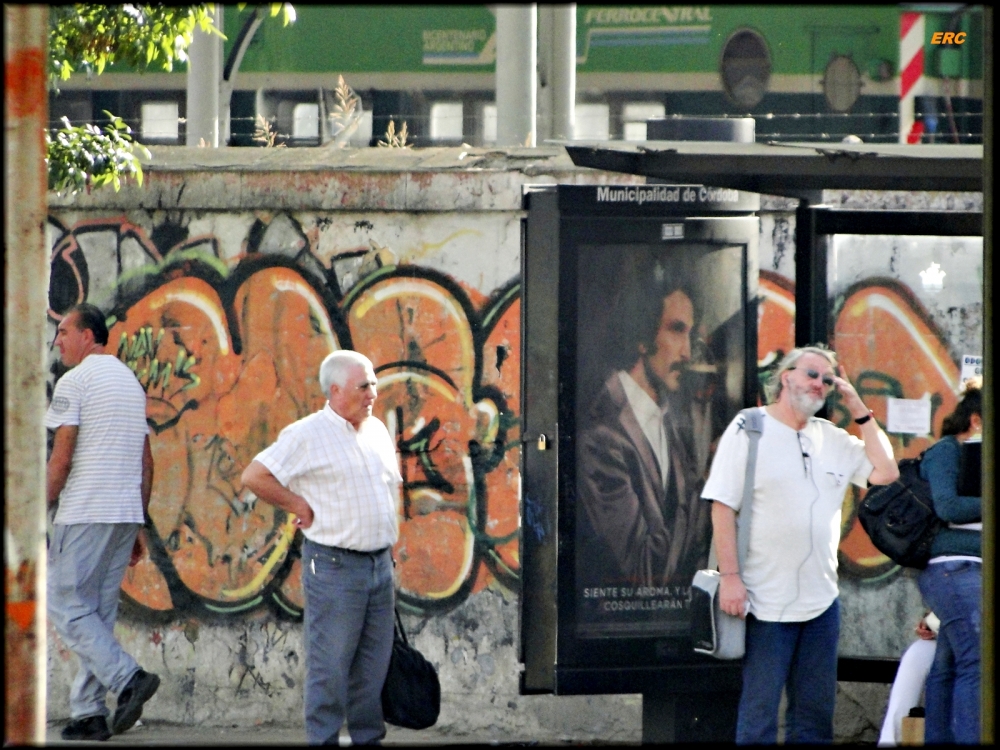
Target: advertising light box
[[639, 344]]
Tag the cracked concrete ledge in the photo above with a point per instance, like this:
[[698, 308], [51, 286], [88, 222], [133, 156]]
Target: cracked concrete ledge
[[433, 179], [472, 179]]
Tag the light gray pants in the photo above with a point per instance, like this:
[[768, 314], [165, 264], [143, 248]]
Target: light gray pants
[[87, 563], [348, 629]]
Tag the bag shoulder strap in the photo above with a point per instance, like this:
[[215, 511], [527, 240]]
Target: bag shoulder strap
[[753, 424], [399, 627]]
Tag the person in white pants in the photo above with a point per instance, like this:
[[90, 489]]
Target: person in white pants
[[908, 686]]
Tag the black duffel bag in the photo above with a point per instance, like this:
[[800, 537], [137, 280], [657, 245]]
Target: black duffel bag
[[899, 518], [411, 695]]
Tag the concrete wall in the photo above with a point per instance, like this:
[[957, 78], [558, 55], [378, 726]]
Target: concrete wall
[[230, 282], [233, 272]]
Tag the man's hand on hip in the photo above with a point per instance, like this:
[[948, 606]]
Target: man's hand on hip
[[259, 480], [304, 519]]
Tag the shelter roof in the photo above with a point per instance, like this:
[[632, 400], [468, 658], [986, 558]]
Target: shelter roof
[[790, 168]]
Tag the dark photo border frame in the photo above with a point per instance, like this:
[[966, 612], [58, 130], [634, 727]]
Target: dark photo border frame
[[626, 659]]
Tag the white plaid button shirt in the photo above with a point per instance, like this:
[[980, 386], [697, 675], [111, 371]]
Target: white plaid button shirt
[[350, 478]]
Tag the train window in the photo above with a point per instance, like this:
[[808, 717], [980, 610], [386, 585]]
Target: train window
[[446, 121], [305, 120], [159, 121], [489, 123], [841, 83], [634, 116], [592, 122], [745, 68]]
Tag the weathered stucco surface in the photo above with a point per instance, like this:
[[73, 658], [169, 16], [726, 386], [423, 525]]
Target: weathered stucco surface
[[230, 275]]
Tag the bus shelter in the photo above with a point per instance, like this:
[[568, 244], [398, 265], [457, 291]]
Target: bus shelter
[[570, 645]]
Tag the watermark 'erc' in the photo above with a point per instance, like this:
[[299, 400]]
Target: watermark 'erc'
[[948, 37]]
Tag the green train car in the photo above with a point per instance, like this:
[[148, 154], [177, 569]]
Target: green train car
[[803, 71]]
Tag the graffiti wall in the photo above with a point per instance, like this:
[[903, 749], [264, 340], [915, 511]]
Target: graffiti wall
[[225, 320]]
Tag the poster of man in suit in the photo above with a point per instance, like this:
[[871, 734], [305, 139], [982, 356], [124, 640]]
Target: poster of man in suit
[[660, 366]]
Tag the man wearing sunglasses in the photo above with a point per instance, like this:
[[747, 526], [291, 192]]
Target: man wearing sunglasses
[[787, 586]]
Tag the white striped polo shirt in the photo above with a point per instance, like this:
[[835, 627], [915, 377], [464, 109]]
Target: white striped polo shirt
[[102, 397], [350, 478]]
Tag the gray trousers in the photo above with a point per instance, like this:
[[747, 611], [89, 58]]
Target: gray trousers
[[348, 628], [86, 564]]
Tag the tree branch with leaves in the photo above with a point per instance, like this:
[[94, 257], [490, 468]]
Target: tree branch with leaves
[[91, 38]]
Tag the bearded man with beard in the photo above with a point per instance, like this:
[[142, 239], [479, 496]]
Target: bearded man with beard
[[787, 586]]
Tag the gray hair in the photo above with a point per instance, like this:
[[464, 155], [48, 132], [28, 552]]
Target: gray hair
[[772, 390], [335, 367]]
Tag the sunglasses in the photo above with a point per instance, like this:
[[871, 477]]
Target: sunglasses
[[813, 375]]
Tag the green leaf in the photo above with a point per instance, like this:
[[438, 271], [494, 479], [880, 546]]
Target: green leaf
[[81, 158], [95, 36]]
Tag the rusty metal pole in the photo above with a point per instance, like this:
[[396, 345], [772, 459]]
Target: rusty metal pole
[[26, 112]]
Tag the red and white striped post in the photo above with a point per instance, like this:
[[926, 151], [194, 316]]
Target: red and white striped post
[[911, 75]]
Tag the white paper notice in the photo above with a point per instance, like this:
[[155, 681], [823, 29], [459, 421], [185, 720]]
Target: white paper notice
[[971, 366], [909, 415]]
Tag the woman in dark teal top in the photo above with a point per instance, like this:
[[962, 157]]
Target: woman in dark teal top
[[940, 467], [951, 584]]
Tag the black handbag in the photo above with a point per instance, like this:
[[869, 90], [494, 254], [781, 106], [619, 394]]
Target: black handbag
[[411, 695]]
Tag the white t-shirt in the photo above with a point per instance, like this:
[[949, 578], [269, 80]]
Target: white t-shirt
[[350, 478], [102, 397], [791, 568]]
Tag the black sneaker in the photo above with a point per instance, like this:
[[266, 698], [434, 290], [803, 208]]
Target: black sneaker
[[94, 728], [137, 691]]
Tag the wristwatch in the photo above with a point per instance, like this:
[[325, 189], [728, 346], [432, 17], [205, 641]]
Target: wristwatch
[[865, 418]]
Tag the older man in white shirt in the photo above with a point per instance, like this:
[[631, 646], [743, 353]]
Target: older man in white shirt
[[336, 471]]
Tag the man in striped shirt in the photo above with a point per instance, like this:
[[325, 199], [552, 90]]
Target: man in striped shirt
[[336, 472], [100, 472]]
